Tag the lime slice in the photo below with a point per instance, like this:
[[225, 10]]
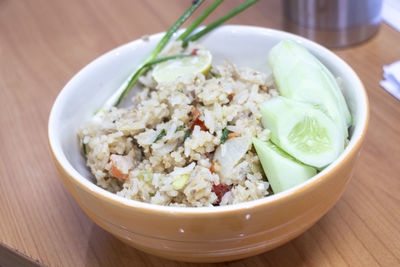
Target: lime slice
[[170, 70], [302, 130], [282, 170]]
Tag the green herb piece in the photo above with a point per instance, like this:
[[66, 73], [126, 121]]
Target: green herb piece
[[126, 86], [224, 137], [160, 135], [215, 75], [84, 148], [218, 22], [172, 30], [197, 21], [187, 134], [180, 128], [120, 93], [152, 194]]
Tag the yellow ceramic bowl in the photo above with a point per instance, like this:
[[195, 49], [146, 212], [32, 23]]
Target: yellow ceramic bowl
[[208, 234]]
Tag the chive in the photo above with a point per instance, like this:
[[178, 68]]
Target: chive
[[179, 128], [218, 22], [84, 148], [117, 97], [197, 22], [187, 134], [215, 75], [141, 68], [140, 72], [160, 135], [172, 30], [224, 137]]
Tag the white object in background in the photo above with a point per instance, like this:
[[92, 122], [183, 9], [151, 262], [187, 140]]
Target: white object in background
[[391, 13], [391, 83]]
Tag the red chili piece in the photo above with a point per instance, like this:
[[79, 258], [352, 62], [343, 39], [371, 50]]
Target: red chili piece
[[212, 168], [194, 52], [197, 121], [200, 123]]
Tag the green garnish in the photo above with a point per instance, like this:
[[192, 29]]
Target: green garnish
[[117, 97], [126, 86], [187, 134], [152, 194], [224, 137], [84, 148], [180, 128], [141, 69], [218, 22], [215, 75], [160, 135], [197, 21]]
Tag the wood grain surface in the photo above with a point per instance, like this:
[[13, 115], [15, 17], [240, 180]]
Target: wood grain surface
[[44, 43]]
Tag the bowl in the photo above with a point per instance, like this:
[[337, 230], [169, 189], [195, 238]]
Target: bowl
[[206, 234]]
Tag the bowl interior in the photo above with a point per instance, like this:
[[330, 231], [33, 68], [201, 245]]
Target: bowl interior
[[241, 45]]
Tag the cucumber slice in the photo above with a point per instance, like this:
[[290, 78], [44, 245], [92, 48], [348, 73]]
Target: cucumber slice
[[302, 130], [301, 76], [282, 170]]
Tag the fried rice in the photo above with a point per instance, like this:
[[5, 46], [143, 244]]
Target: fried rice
[[184, 143]]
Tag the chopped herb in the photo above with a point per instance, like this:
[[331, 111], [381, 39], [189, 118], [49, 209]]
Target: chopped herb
[[84, 148], [180, 90], [152, 194], [224, 137], [179, 128], [215, 75], [160, 135], [187, 134]]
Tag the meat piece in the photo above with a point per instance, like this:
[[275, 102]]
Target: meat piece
[[220, 191], [121, 165]]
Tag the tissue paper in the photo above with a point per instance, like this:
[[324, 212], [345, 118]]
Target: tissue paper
[[391, 83], [391, 13]]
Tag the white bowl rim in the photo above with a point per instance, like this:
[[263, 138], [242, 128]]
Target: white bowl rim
[[352, 147]]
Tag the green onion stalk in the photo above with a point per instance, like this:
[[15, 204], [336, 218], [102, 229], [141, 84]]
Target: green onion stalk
[[117, 97], [218, 22], [185, 37]]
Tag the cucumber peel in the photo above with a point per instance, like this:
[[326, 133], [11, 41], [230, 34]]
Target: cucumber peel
[[282, 170]]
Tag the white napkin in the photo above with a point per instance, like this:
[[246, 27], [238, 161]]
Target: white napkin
[[391, 73], [391, 13], [391, 83]]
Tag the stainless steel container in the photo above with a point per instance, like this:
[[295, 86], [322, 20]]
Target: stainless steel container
[[333, 23]]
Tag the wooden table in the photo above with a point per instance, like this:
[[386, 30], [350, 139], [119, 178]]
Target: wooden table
[[44, 43]]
